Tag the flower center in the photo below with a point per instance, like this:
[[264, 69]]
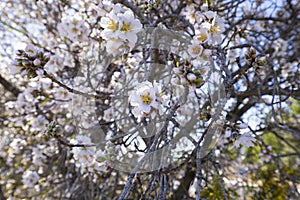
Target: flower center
[[202, 37], [75, 30], [214, 29], [113, 25], [196, 50], [146, 99], [75, 22], [125, 27]]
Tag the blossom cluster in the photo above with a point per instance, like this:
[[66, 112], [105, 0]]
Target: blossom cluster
[[145, 98], [74, 28], [239, 136], [120, 27], [29, 62], [188, 76], [86, 155], [30, 178], [209, 26]]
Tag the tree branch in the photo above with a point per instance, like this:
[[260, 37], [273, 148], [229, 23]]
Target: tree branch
[[9, 87]]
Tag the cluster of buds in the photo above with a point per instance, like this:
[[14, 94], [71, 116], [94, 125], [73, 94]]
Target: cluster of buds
[[251, 55], [257, 61], [233, 131], [153, 4], [187, 75], [30, 61], [52, 129]]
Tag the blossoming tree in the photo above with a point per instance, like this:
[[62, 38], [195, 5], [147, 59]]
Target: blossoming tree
[[149, 99]]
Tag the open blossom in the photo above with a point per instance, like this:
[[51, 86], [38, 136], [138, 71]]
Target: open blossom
[[39, 123], [105, 6], [214, 25], [83, 154], [129, 27], [143, 98], [113, 45], [74, 28], [86, 157], [245, 139], [30, 50], [38, 158], [191, 13], [195, 49], [54, 64], [201, 35], [119, 29], [17, 144], [110, 23], [30, 178]]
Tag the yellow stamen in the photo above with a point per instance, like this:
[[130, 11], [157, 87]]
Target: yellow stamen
[[196, 50], [146, 99], [75, 30], [214, 29], [125, 27], [113, 25], [75, 22], [202, 37]]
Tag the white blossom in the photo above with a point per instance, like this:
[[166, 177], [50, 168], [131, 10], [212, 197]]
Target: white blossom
[[129, 27], [30, 50], [110, 23], [74, 28], [245, 139], [195, 49], [30, 178], [54, 64], [17, 144], [119, 29], [37, 156], [143, 98], [243, 125], [39, 123], [201, 35], [214, 25]]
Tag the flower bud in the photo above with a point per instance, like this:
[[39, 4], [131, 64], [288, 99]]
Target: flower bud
[[37, 62], [198, 82], [191, 76], [24, 72], [26, 63], [47, 56]]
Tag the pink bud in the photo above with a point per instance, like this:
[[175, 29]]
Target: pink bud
[[191, 76], [24, 72], [37, 62]]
